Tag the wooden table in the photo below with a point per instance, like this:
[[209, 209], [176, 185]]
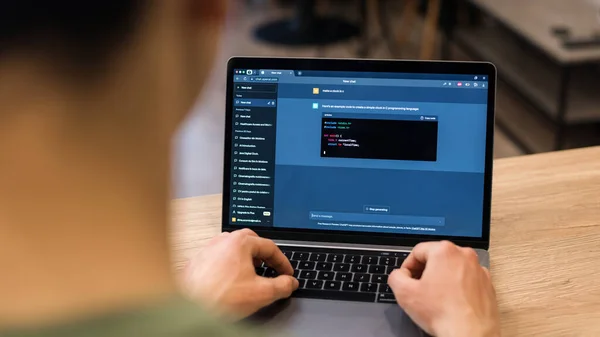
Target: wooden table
[[545, 250]]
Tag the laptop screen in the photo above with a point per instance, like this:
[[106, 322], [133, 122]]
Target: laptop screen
[[399, 153]]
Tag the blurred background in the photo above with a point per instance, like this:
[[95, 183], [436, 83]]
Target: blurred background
[[547, 53]]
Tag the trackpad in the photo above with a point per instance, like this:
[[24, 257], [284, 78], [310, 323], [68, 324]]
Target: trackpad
[[311, 318]]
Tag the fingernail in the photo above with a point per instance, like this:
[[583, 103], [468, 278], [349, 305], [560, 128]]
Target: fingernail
[[296, 284]]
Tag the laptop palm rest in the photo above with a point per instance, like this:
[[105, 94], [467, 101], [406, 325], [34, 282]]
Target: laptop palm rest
[[311, 317]]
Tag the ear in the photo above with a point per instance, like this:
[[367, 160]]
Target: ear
[[206, 11]]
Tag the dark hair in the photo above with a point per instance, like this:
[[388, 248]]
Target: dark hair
[[82, 31]]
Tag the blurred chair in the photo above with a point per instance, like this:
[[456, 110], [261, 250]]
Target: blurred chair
[[397, 38], [305, 27], [407, 23]]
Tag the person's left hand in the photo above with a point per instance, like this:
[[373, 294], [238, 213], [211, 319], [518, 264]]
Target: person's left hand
[[222, 275]]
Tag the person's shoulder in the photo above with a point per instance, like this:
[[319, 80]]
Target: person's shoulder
[[173, 318], [187, 319]]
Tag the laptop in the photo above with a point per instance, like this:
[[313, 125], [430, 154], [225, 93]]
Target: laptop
[[348, 164]]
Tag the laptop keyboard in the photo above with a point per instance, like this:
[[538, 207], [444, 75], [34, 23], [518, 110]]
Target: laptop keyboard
[[339, 274]]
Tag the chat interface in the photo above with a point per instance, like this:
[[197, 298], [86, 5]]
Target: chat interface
[[399, 153]]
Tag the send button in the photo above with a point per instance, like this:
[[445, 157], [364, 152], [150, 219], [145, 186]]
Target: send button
[[377, 209]]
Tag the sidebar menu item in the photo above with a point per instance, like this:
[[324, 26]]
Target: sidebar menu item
[[253, 157]]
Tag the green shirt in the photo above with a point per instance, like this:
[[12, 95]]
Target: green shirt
[[177, 318]]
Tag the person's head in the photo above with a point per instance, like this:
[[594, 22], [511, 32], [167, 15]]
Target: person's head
[[91, 93], [126, 66]]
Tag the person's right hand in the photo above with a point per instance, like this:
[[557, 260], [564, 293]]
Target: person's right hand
[[446, 292], [222, 275]]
